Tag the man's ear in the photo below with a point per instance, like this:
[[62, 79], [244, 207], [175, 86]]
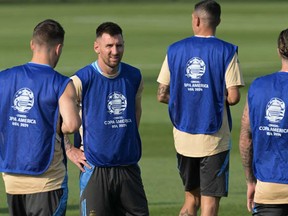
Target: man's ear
[[59, 49], [31, 45], [96, 47], [278, 52], [197, 21]]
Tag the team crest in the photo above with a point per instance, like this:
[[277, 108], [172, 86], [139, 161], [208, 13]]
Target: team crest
[[23, 100], [275, 110], [195, 68], [116, 103]]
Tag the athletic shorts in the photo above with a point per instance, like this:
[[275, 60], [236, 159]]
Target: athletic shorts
[[40, 204], [112, 191], [210, 173], [270, 210]]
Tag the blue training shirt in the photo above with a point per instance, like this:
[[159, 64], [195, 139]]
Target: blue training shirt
[[110, 133], [29, 113], [197, 67], [268, 101]]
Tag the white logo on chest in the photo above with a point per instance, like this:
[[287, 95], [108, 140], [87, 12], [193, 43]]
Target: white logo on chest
[[116, 103], [23, 100]]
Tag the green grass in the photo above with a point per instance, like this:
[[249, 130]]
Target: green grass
[[148, 30]]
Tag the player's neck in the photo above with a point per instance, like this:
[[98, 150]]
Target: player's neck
[[42, 60], [205, 32], [284, 65], [107, 71]]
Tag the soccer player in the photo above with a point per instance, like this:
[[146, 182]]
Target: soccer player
[[37, 106], [200, 79], [110, 93], [263, 140]]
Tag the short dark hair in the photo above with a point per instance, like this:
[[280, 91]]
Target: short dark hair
[[109, 28], [48, 32], [212, 9], [283, 43]]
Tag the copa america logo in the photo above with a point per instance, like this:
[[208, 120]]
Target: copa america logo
[[195, 68], [23, 100], [116, 103], [275, 110]]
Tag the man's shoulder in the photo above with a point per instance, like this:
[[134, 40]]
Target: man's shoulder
[[85, 72], [260, 81], [129, 67], [13, 68], [266, 77], [181, 41], [84, 68]]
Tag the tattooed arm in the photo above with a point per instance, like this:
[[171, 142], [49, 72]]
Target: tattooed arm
[[246, 152], [245, 145], [163, 94]]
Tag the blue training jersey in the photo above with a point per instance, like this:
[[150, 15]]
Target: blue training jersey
[[29, 113], [110, 132], [197, 86], [268, 100]]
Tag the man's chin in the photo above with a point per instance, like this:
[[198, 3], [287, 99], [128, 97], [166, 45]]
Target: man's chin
[[114, 64]]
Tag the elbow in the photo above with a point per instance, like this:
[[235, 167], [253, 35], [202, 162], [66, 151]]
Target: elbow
[[71, 127], [159, 99], [75, 127], [162, 99], [233, 95], [233, 100]]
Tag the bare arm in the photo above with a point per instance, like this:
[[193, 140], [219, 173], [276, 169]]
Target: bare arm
[[163, 94], [233, 95], [69, 110], [246, 152], [245, 145], [74, 154]]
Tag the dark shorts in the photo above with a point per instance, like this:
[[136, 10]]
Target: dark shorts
[[270, 210], [40, 204], [210, 174], [112, 191]]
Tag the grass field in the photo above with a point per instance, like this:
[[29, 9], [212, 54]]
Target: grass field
[[148, 30]]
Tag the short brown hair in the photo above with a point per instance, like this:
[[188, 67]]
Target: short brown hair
[[283, 43], [110, 28], [48, 32]]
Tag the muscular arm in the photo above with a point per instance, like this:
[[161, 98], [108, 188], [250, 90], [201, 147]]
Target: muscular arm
[[163, 94], [74, 154], [245, 145], [69, 110], [233, 95], [246, 152], [234, 80]]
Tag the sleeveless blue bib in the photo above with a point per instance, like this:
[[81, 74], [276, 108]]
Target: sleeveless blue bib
[[198, 83], [268, 100], [29, 106], [111, 136]]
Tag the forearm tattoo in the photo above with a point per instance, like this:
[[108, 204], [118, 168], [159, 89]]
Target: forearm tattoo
[[67, 142], [246, 146]]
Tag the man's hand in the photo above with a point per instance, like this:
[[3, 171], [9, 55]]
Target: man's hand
[[250, 195], [77, 157]]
